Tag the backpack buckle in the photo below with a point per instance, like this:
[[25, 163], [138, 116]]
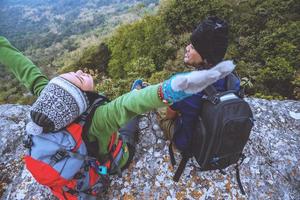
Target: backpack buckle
[[102, 170], [214, 99], [58, 156]]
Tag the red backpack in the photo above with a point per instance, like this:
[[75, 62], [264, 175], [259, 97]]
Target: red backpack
[[62, 160]]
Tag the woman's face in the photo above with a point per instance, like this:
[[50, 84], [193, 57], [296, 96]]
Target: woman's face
[[82, 80], [192, 57]]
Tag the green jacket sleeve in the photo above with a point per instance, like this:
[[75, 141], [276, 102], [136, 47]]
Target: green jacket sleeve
[[25, 71], [111, 116]]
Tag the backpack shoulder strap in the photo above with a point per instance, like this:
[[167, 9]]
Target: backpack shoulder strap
[[211, 94], [230, 81], [89, 113], [86, 119], [182, 164], [181, 167], [210, 90], [171, 152], [91, 110]]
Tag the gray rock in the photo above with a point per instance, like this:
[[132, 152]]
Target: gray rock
[[15, 181], [270, 171]]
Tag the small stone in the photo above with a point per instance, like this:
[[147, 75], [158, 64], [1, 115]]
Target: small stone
[[156, 127], [294, 115], [157, 154], [157, 184]]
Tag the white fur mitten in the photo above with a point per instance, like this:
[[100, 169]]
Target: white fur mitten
[[197, 81], [183, 85]]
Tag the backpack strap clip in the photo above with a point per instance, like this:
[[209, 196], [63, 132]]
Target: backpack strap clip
[[213, 99], [102, 170], [58, 156], [211, 94]]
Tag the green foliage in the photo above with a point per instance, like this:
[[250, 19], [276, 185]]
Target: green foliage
[[11, 91], [140, 68], [246, 83], [91, 58], [57, 42], [145, 38], [183, 16], [281, 40], [273, 96], [159, 77], [113, 88], [264, 42], [95, 57], [276, 76], [296, 84]]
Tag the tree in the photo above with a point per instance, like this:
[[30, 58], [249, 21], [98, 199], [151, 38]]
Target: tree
[[95, 58], [140, 68], [146, 38]]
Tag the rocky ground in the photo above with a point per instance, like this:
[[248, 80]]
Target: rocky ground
[[270, 171]]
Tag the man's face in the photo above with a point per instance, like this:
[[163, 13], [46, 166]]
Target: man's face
[[82, 80], [192, 57]]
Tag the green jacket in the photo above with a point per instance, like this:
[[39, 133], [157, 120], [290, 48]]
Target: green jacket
[[107, 119]]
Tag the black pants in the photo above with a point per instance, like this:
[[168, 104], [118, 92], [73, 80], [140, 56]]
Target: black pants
[[129, 134]]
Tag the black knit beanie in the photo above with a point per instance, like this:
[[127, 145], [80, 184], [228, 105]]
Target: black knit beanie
[[210, 39]]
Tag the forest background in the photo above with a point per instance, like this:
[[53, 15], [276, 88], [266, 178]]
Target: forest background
[[119, 41]]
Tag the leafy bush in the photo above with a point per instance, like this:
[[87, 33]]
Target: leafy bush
[[276, 76], [145, 38], [296, 84], [140, 68], [184, 16], [159, 77], [113, 88], [264, 42], [95, 57]]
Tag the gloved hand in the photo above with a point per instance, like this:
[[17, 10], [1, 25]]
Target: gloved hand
[[183, 85]]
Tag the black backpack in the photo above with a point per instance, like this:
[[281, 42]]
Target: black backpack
[[222, 131]]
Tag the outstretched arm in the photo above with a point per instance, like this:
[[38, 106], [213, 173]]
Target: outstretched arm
[[25, 71], [110, 117]]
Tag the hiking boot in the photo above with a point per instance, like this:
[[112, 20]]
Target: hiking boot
[[129, 132]]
